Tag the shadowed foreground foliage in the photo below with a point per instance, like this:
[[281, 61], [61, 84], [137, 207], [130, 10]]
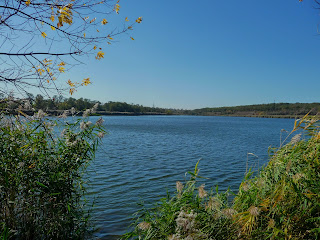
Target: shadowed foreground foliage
[[41, 168], [282, 201]]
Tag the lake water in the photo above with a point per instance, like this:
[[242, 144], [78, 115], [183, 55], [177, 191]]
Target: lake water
[[143, 156]]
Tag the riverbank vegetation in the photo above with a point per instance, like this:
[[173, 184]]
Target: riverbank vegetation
[[281, 201], [42, 188], [57, 104]]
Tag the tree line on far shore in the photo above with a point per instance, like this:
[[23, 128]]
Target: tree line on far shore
[[262, 109], [81, 104]]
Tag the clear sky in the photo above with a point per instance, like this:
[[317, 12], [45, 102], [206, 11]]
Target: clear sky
[[193, 54]]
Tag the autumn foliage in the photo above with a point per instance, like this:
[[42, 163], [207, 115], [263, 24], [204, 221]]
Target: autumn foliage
[[45, 38]]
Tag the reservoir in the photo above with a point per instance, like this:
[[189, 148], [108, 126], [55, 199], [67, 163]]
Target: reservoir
[[142, 157]]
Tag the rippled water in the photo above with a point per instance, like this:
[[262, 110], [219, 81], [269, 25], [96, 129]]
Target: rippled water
[[142, 156]]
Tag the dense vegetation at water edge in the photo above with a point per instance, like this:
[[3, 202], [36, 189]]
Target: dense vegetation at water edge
[[42, 176]]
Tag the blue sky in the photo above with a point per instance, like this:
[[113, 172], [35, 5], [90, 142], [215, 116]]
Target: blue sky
[[194, 54]]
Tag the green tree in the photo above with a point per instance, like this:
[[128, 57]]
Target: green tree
[[39, 102]]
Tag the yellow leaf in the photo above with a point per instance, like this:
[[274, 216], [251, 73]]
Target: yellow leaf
[[32, 165], [132, 38], [127, 20], [110, 38], [28, 2], [84, 35], [100, 55], [61, 69], [295, 125], [130, 27], [95, 47], [93, 20], [117, 8], [139, 20], [86, 81], [61, 64], [72, 90], [47, 61], [52, 18], [43, 34], [104, 21], [71, 84], [53, 28]]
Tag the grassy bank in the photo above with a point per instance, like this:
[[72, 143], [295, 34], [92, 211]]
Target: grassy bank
[[281, 201]]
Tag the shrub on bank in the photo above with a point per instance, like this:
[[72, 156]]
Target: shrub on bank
[[281, 201], [192, 213], [42, 162]]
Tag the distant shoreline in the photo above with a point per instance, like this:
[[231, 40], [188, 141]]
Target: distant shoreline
[[108, 113], [58, 106], [252, 115]]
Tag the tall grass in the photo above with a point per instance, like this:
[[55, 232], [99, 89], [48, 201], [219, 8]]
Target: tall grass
[[281, 201], [192, 213], [285, 194], [41, 177]]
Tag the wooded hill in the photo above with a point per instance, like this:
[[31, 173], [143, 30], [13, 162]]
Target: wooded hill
[[263, 110]]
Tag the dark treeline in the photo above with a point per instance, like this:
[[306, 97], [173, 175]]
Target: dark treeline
[[278, 109], [81, 104]]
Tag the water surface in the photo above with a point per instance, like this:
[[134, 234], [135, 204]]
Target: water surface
[[142, 156]]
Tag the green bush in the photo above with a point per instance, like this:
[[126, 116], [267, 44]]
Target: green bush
[[42, 163], [283, 201]]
